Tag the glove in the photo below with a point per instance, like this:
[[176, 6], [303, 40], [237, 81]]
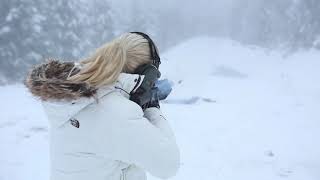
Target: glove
[[154, 99], [146, 95]]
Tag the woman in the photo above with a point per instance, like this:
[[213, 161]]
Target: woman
[[104, 122]]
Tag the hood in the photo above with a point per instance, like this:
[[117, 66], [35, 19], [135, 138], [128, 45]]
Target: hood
[[48, 81], [62, 99]]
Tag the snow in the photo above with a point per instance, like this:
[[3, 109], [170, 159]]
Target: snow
[[4, 30], [13, 13], [38, 18], [238, 113], [37, 28], [316, 43], [23, 136]]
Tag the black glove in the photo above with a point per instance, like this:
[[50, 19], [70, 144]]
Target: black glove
[[146, 95]]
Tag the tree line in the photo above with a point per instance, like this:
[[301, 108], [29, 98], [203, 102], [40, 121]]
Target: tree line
[[31, 31]]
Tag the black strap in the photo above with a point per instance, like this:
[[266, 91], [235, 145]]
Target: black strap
[[153, 51]]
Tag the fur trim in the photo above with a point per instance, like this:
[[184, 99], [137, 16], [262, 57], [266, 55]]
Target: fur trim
[[48, 81]]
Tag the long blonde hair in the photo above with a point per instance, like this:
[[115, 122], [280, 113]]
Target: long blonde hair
[[123, 54]]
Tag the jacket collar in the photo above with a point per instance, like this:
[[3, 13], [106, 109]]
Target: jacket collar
[[128, 83]]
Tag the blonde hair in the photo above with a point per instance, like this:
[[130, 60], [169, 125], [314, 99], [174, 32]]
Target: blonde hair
[[123, 54]]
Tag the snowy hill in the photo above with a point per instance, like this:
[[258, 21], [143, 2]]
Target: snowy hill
[[238, 113]]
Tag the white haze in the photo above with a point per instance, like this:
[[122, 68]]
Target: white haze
[[31, 31]]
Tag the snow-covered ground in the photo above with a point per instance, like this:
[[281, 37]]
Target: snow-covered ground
[[238, 113]]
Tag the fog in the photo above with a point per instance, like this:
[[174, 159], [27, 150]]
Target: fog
[[271, 24], [31, 31], [244, 74]]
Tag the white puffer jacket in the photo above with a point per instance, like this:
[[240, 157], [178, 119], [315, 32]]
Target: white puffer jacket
[[112, 139]]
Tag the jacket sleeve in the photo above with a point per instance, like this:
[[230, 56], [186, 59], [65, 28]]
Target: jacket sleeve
[[146, 140]]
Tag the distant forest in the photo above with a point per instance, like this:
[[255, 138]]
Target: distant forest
[[32, 30]]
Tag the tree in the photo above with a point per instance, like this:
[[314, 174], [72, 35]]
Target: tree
[[34, 30]]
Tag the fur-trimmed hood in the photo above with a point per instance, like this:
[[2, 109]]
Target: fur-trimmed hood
[[63, 99], [49, 81]]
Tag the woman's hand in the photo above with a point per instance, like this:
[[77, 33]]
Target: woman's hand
[[147, 94]]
